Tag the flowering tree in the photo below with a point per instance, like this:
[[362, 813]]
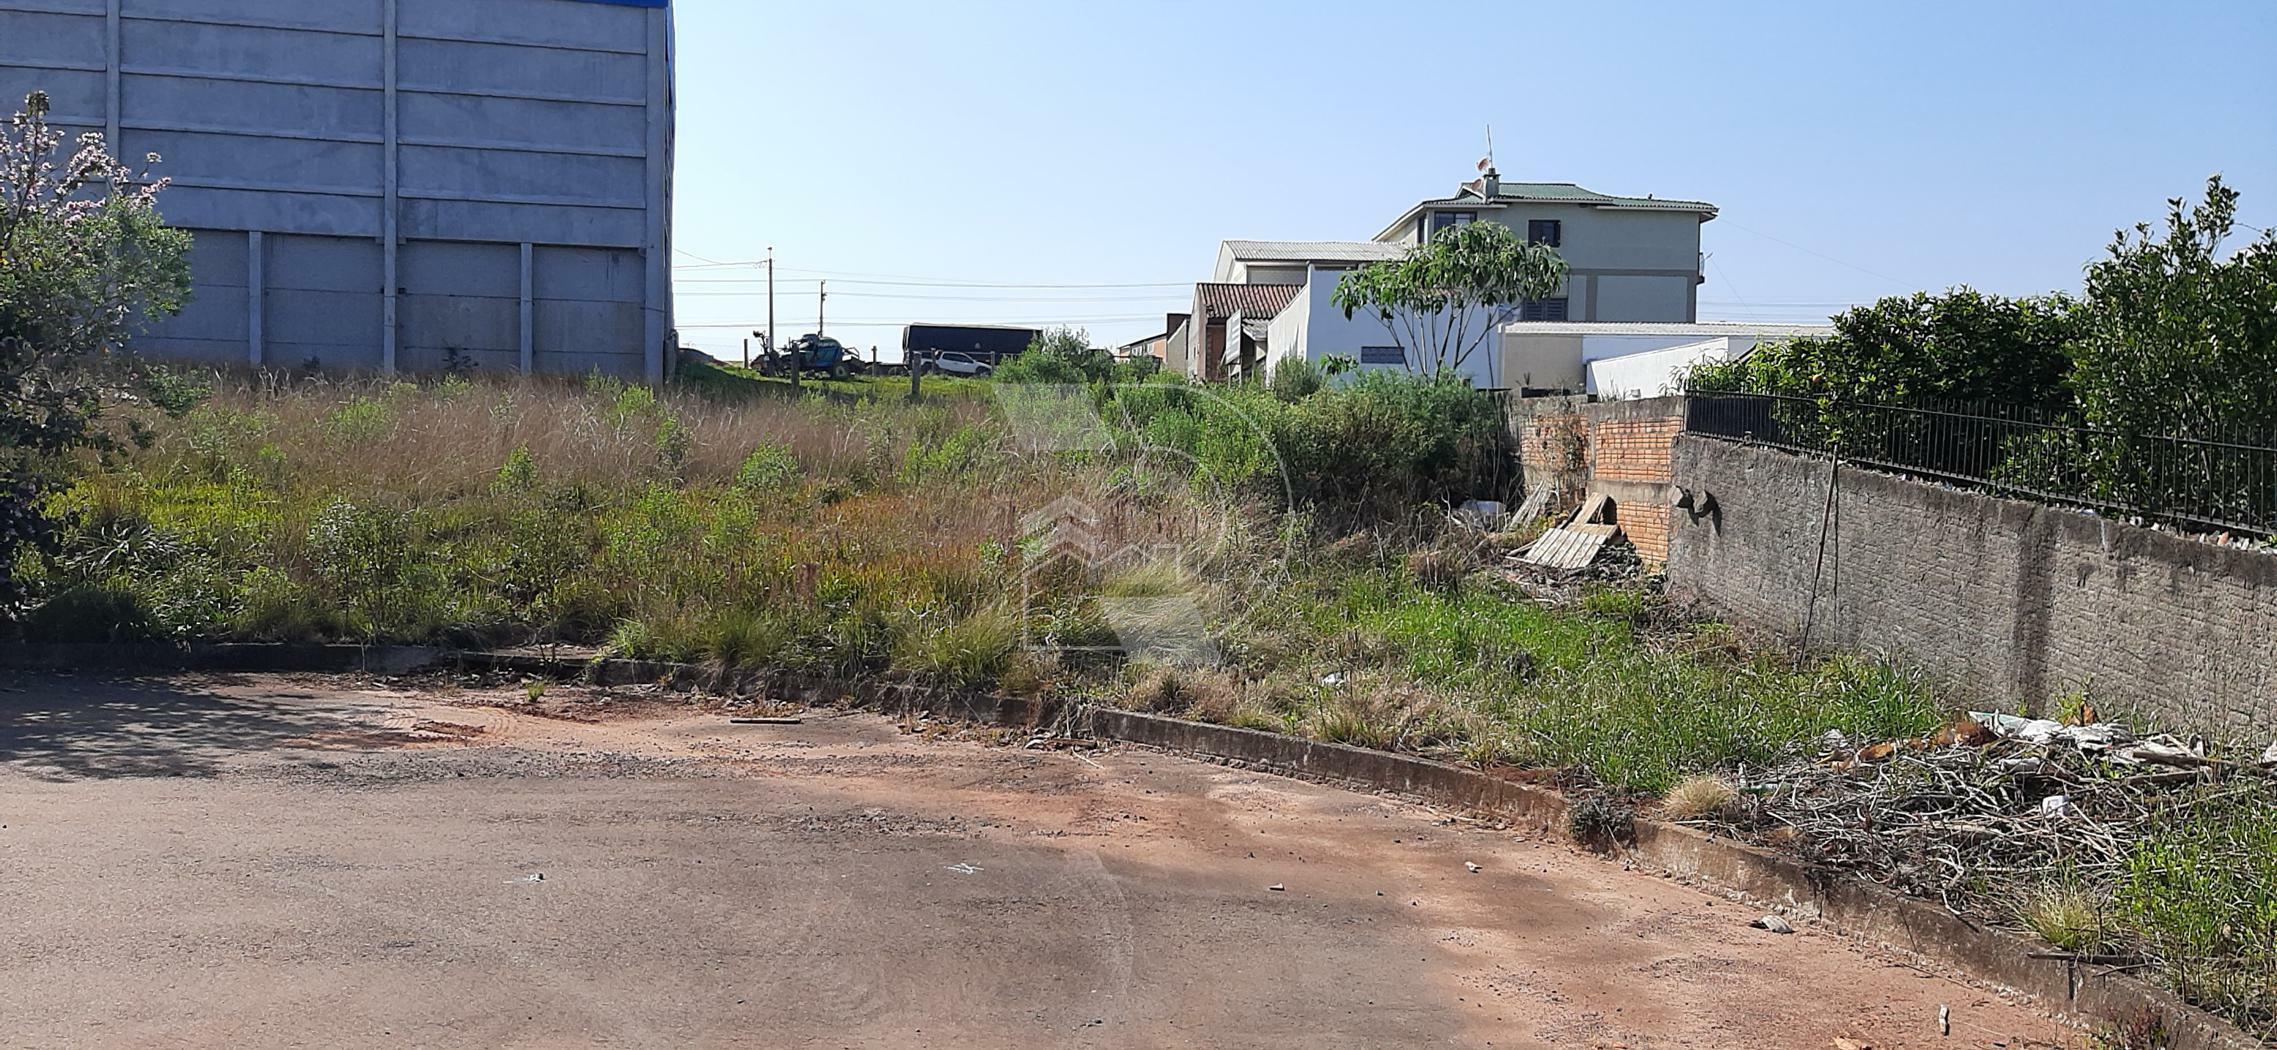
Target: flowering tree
[[1443, 299], [84, 260]]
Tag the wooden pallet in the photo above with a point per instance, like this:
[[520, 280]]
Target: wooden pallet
[[1570, 547]]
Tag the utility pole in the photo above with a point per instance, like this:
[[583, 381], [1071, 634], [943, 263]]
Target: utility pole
[[822, 290], [774, 345], [747, 353]]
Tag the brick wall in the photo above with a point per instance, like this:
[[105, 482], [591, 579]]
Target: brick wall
[[2004, 600], [1621, 449]]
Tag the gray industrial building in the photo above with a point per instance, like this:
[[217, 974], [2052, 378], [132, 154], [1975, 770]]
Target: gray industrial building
[[388, 185]]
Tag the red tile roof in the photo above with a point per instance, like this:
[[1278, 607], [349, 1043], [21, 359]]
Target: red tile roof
[[1252, 301]]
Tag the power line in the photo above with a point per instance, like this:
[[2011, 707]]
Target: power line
[[908, 281], [897, 323], [1823, 255], [901, 296]]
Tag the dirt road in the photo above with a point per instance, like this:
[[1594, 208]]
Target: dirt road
[[263, 861]]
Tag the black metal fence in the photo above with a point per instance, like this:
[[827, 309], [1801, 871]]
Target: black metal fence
[[2224, 483]]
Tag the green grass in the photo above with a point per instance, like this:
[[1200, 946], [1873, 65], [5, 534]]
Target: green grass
[[2200, 892], [1579, 687], [732, 380]]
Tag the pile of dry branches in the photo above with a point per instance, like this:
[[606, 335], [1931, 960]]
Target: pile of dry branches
[[1968, 815]]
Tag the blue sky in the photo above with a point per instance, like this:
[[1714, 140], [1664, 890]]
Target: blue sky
[[973, 161]]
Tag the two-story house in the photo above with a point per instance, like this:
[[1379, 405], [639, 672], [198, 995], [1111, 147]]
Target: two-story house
[[1631, 259]]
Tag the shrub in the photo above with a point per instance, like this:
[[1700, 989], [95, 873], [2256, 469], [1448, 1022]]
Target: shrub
[[769, 466], [1295, 378], [1060, 356], [971, 650], [518, 474], [105, 612]]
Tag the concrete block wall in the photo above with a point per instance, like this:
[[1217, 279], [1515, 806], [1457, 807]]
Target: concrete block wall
[[2006, 601], [1621, 449]]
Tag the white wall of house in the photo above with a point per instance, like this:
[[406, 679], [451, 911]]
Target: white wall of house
[[1654, 373], [1313, 327], [1265, 273], [1567, 356]]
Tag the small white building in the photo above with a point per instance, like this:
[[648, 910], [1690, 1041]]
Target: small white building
[[1608, 360], [1627, 360]]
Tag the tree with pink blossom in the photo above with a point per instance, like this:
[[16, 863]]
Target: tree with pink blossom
[[85, 261]]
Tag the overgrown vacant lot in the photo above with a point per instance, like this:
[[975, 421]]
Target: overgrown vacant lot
[[864, 535], [872, 536]]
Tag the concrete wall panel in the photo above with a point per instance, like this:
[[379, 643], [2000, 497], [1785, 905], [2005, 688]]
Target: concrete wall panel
[[231, 50], [583, 363], [598, 26], [254, 162], [459, 119], [77, 97], [313, 213], [54, 39], [323, 264], [501, 173], [464, 297], [202, 102], [450, 65], [355, 16], [587, 273], [486, 221], [460, 268], [586, 327]]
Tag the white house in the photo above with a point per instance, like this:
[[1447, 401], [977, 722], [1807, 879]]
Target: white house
[[1311, 326]]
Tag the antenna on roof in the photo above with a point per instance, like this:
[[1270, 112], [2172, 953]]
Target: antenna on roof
[[1487, 163]]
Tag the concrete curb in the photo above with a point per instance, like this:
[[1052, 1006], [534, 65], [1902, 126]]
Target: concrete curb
[[2078, 993]]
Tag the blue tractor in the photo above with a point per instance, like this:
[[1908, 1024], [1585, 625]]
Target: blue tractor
[[815, 354]]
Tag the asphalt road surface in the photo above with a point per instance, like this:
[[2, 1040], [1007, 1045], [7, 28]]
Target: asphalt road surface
[[294, 861]]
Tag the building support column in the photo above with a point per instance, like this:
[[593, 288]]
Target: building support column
[[391, 204], [529, 315], [656, 242], [255, 307], [111, 61]]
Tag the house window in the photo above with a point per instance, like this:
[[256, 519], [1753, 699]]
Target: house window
[[1441, 220], [1382, 355], [1546, 231], [1543, 310]]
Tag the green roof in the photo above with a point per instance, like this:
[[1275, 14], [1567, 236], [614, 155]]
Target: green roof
[[1569, 193]]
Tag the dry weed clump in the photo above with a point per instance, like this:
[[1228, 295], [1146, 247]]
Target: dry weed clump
[[1699, 798]]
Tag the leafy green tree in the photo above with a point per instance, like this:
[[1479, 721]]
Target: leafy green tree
[[84, 261], [1962, 345], [2182, 341], [1443, 299]]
